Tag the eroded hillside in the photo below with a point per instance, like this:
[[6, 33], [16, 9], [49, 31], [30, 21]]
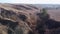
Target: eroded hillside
[[26, 19]]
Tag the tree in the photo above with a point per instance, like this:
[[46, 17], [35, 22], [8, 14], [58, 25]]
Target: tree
[[44, 15]]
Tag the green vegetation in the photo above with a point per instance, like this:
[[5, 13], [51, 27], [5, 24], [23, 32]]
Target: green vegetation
[[44, 15], [44, 12]]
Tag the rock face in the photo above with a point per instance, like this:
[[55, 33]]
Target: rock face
[[26, 19], [18, 19]]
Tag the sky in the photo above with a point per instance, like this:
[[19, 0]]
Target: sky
[[31, 1]]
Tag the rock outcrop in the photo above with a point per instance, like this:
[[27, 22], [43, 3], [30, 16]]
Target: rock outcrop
[[26, 19], [19, 19]]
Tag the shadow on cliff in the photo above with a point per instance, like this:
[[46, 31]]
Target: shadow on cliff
[[10, 24], [47, 23]]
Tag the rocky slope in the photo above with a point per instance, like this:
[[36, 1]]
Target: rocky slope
[[18, 17], [26, 19]]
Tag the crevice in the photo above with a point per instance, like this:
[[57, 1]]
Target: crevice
[[10, 24]]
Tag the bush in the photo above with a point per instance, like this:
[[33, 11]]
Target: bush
[[43, 14]]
